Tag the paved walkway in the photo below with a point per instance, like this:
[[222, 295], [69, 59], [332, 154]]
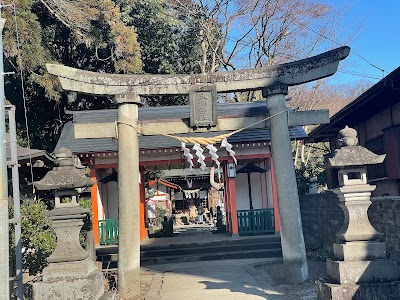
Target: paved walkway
[[230, 279]]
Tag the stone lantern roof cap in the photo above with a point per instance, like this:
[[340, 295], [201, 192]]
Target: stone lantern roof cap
[[351, 154], [65, 175]]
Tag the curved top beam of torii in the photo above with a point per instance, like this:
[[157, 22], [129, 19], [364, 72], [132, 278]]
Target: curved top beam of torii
[[292, 73]]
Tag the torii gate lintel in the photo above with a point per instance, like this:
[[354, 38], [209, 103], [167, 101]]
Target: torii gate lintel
[[293, 73]]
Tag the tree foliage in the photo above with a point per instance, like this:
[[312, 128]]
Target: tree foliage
[[169, 41], [158, 36], [36, 34], [38, 238]]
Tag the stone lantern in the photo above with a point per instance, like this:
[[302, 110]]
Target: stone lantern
[[71, 273], [361, 269]]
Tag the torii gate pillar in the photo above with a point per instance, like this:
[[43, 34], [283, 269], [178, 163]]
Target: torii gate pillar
[[128, 196], [293, 248]]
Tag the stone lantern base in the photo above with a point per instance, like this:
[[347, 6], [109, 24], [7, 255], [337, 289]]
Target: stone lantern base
[[376, 291], [71, 273], [89, 287]]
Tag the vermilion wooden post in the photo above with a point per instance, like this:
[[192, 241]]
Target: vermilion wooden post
[[95, 205], [227, 199], [142, 195], [232, 200], [275, 198]]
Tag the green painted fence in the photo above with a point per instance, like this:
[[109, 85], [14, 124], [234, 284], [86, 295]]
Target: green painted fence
[[256, 221], [108, 232]]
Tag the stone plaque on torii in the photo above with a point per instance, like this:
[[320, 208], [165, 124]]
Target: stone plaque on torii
[[272, 80]]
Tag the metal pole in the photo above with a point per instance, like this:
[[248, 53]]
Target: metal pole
[[17, 203], [4, 252]]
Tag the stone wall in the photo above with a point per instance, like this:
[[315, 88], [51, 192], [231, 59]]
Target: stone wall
[[322, 218], [384, 214]]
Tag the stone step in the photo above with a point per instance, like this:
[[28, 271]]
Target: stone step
[[240, 248], [232, 241], [266, 253], [208, 249], [164, 252], [112, 249], [269, 253]]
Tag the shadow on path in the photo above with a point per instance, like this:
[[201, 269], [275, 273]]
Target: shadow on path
[[254, 279]]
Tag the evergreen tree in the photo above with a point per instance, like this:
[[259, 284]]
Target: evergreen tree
[[102, 44]]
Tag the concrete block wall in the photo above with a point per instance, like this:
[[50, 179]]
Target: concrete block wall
[[384, 214], [322, 218]]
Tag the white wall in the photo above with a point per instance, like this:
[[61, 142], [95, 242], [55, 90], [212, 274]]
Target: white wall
[[112, 196], [261, 189], [242, 192], [108, 197]]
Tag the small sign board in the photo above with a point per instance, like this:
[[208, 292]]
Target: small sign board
[[203, 106]]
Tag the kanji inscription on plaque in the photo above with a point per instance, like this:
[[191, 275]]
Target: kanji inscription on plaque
[[203, 106]]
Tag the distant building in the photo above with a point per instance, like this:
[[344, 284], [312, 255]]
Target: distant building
[[39, 161], [376, 116]]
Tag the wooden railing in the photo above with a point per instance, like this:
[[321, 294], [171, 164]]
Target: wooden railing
[[108, 232], [256, 221]]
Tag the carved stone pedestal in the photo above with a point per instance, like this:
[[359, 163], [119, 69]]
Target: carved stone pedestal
[[71, 274]]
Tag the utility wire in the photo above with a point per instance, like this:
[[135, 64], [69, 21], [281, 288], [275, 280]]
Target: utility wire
[[21, 74], [333, 41]]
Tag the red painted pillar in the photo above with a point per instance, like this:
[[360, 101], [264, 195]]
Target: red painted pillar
[[275, 198], [142, 208], [227, 200], [95, 205], [266, 185], [233, 210]]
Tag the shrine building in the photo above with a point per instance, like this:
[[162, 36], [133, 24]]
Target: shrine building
[[249, 190]]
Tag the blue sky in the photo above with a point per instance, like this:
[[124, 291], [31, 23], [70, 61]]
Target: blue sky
[[377, 39]]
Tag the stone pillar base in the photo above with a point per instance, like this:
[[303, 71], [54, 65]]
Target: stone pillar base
[[367, 291], [358, 272], [72, 269], [88, 288]]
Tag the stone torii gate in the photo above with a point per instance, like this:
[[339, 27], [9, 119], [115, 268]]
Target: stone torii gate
[[202, 90]]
